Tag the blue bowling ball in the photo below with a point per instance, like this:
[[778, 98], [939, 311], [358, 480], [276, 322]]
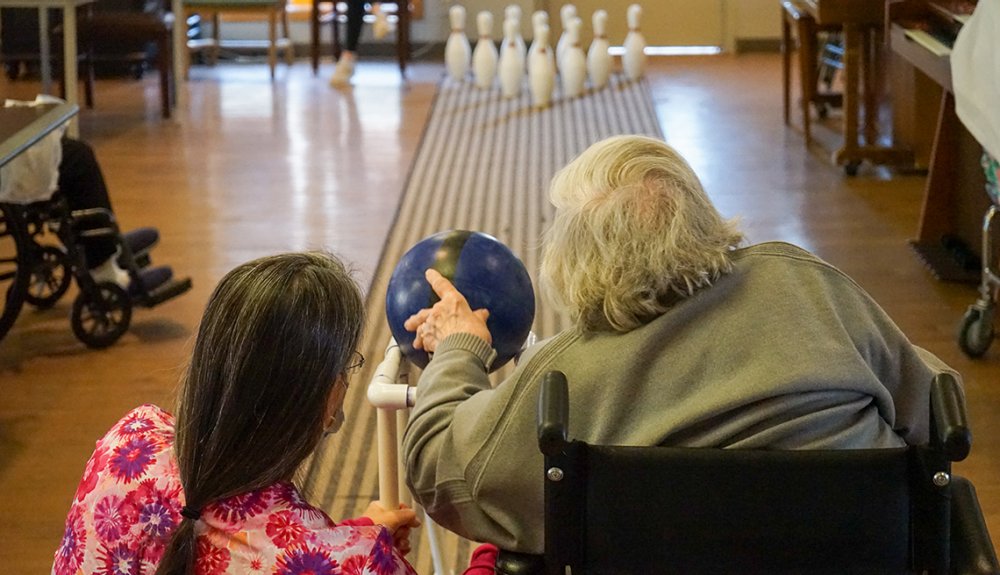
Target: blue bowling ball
[[483, 269]]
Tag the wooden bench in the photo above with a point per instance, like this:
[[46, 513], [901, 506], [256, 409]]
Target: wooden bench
[[273, 10]]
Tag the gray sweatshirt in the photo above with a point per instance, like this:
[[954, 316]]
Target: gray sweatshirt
[[784, 352]]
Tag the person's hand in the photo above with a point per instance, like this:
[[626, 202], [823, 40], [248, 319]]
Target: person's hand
[[450, 315], [399, 522]]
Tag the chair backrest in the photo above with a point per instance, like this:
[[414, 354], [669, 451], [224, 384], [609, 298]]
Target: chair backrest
[[716, 511], [615, 509]]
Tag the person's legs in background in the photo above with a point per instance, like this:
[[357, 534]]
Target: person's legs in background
[[355, 20], [82, 184], [381, 28], [345, 65]]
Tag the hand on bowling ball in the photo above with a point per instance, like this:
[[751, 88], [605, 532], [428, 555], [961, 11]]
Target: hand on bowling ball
[[450, 315], [399, 522]]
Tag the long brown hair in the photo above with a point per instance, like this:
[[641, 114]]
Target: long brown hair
[[275, 335]]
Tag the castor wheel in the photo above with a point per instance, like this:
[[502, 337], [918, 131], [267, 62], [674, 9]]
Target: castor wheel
[[822, 110], [100, 318], [975, 334], [851, 168], [50, 278], [12, 70]]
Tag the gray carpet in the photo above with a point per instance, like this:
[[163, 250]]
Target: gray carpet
[[484, 164]]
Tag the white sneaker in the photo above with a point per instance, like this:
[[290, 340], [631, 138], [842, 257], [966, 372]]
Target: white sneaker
[[382, 27], [110, 272], [342, 73]]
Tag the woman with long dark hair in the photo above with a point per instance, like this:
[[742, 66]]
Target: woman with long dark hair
[[211, 491]]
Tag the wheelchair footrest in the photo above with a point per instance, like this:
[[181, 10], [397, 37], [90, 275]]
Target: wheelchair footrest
[[169, 290], [150, 279], [157, 285]]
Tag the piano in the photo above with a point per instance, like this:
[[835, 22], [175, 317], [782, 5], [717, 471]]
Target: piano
[[921, 33], [847, 11], [862, 22]]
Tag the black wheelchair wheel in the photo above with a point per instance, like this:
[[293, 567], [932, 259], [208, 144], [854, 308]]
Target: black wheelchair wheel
[[49, 278], [975, 333], [13, 285], [101, 317]]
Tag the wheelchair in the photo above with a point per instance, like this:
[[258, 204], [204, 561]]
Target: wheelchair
[[625, 509], [976, 331], [38, 271]]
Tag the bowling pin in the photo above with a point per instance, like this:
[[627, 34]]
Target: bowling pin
[[484, 57], [542, 77], [574, 63], [513, 12], [598, 58], [539, 18], [634, 59], [512, 60], [457, 52], [566, 13]]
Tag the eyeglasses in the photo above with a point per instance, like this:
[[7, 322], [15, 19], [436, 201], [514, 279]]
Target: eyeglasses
[[356, 363]]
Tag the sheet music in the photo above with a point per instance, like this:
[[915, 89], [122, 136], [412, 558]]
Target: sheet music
[[929, 42]]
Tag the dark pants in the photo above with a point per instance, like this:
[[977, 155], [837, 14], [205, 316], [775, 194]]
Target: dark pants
[[355, 20], [82, 184]]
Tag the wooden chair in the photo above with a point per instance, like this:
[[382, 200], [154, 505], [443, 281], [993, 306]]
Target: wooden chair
[[111, 31], [131, 28], [807, 33]]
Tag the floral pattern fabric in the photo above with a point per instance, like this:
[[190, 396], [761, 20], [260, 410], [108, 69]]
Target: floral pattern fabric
[[129, 503]]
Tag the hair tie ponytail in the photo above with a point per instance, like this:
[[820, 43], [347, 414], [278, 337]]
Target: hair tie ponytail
[[190, 513]]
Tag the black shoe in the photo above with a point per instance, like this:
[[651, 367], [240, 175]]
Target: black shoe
[[151, 278], [140, 241]]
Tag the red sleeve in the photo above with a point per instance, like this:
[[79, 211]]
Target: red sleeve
[[357, 522], [483, 560]]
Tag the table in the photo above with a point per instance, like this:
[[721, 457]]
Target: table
[[22, 126], [70, 74]]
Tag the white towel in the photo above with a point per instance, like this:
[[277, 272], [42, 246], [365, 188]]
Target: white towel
[[975, 73], [34, 174]]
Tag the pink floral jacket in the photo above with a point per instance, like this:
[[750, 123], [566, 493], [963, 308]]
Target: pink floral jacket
[[130, 500]]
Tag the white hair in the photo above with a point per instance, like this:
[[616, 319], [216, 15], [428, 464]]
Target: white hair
[[633, 231]]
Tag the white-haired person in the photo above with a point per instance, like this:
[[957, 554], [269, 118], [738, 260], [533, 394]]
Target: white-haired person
[[682, 335]]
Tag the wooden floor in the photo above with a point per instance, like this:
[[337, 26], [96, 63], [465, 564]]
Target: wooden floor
[[249, 167]]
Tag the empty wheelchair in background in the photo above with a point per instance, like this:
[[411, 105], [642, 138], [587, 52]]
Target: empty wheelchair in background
[[36, 270], [641, 510]]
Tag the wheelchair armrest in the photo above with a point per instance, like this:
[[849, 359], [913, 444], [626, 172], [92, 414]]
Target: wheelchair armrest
[[972, 551], [553, 413], [94, 216], [950, 429], [513, 563]]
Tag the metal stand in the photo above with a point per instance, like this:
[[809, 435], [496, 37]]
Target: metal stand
[[391, 394]]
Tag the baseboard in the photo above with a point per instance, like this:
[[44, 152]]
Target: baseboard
[[419, 51], [746, 45]]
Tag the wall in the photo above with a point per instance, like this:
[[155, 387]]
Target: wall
[[744, 20], [752, 20]]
